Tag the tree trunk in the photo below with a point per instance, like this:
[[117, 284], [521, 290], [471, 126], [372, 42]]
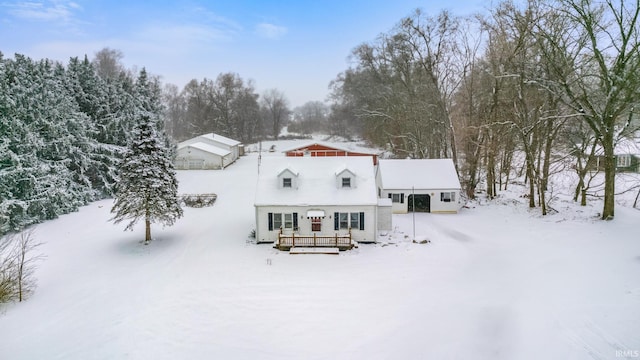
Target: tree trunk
[[532, 183], [609, 175], [579, 187], [543, 199], [491, 172], [147, 236], [530, 169]]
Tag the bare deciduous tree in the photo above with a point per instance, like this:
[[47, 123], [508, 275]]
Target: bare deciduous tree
[[275, 108], [601, 43], [18, 261], [108, 63]]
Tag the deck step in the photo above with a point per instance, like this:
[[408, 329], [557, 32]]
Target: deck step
[[314, 250]]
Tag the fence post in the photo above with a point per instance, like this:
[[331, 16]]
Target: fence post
[[279, 238], [314, 239], [293, 239]]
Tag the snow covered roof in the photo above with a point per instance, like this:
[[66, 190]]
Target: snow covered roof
[[628, 146], [316, 182], [207, 148], [221, 139], [332, 146], [623, 146], [418, 174], [290, 169], [343, 167]]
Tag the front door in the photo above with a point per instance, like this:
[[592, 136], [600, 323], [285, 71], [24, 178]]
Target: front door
[[316, 224]]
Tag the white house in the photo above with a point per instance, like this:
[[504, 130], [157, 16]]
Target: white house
[[208, 151], [425, 185], [317, 202]]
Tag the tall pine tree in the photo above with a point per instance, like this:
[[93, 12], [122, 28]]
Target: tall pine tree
[[147, 188]]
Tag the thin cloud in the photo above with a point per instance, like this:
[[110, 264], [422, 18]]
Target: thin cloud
[[270, 31], [51, 11], [193, 33], [213, 18]]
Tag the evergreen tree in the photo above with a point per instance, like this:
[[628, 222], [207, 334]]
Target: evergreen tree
[[91, 94], [44, 145], [147, 187]]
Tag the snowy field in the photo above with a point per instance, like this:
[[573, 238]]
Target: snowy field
[[497, 281]]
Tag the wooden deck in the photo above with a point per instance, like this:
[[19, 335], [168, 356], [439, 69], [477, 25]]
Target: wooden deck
[[288, 241]]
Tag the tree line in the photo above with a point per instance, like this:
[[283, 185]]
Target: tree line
[[64, 130], [536, 86], [230, 106]]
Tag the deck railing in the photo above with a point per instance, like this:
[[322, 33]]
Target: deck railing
[[297, 240]]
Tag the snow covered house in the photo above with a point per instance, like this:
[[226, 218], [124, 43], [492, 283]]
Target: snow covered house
[[323, 202], [206, 152], [317, 149], [627, 153], [423, 185]]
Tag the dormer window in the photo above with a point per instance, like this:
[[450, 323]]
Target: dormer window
[[345, 178], [288, 178]]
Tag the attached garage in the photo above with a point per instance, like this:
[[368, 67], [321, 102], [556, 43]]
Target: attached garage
[[201, 156], [419, 185]]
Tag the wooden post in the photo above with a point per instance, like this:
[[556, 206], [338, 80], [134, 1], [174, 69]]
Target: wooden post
[[279, 238], [314, 239], [336, 239], [293, 239]]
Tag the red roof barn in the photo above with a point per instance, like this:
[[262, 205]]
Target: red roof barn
[[318, 149]]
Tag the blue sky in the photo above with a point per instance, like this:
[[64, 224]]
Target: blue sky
[[297, 47]]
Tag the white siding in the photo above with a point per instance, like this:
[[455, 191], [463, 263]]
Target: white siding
[[385, 214], [436, 205], [264, 235], [188, 156]]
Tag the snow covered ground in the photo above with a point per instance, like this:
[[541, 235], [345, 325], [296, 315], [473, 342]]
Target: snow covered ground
[[497, 281]]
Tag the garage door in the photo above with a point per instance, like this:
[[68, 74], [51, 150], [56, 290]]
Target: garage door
[[196, 164]]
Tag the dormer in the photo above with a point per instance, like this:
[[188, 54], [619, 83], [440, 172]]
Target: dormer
[[345, 178], [288, 178]]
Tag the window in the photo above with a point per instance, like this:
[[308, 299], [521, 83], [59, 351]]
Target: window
[[623, 161], [286, 182], [344, 220], [284, 221], [288, 221], [346, 182], [277, 221], [448, 196], [316, 224], [397, 198], [354, 220]]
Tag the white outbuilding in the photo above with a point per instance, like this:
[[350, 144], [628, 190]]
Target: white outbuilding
[[201, 156], [206, 152], [421, 185]]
